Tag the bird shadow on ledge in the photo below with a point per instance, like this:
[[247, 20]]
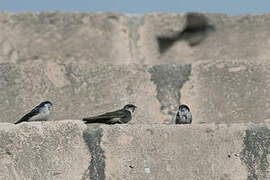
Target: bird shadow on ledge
[[197, 28]]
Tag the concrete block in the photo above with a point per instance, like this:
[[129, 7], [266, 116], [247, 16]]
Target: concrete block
[[43, 151], [89, 63], [72, 150], [77, 90], [228, 91], [216, 91], [235, 37], [177, 152], [64, 37]]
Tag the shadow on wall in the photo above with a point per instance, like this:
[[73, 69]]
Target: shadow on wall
[[196, 29], [169, 80]]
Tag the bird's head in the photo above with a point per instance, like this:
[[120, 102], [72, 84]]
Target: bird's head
[[47, 104], [184, 108], [130, 107]]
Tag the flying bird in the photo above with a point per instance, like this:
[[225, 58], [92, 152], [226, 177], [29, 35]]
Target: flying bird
[[39, 113], [197, 28], [183, 115], [121, 116]]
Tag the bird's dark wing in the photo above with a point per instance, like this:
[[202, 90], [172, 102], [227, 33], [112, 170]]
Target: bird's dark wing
[[106, 117], [177, 118], [26, 117]]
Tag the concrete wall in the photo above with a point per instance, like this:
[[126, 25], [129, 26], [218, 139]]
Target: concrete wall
[[123, 39], [71, 150], [216, 91], [88, 63], [43, 151]]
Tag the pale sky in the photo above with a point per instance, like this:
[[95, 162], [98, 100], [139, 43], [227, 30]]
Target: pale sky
[[232, 7]]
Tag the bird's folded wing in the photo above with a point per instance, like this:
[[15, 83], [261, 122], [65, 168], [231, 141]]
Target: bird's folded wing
[[108, 115], [26, 117]]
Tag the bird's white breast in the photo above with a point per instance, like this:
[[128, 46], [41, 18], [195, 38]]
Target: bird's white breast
[[43, 115]]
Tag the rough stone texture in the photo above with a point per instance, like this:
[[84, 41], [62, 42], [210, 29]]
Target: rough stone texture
[[256, 152], [174, 152], [187, 152], [169, 79], [89, 63], [71, 150], [43, 151], [216, 91], [123, 39], [63, 37], [236, 37], [228, 91], [87, 90], [96, 169]]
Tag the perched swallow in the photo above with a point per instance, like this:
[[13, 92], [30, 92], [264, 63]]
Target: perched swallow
[[183, 115], [121, 116], [39, 113]]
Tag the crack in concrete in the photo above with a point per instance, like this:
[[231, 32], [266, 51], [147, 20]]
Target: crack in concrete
[[134, 22], [255, 152], [96, 169]]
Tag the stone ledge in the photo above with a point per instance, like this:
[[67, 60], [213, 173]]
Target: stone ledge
[[50, 150], [71, 150]]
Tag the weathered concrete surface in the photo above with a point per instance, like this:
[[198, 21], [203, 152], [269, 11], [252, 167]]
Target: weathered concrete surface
[[43, 151], [71, 150], [228, 92], [76, 90], [123, 38], [88, 63], [174, 152], [216, 91], [236, 37], [55, 36]]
